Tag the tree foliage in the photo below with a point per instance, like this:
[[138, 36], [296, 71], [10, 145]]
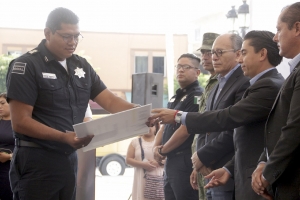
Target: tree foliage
[[4, 62], [202, 78]]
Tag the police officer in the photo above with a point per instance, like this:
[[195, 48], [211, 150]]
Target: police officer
[[178, 167], [48, 91]]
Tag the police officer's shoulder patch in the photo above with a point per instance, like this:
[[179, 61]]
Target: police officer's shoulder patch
[[33, 51], [19, 68]]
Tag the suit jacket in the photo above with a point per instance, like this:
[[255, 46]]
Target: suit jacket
[[248, 116], [218, 148], [282, 139]]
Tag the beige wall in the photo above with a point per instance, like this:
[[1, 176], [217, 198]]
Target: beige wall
[[111, 54]]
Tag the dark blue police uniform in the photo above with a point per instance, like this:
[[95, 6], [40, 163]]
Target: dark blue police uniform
[[178, 167], [43, 169]]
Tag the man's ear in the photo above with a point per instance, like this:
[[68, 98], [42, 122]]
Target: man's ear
[[47, 33], [297, 27], [263, 54], [198, 72], [238, 54]]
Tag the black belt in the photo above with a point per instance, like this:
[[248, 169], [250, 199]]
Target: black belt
[[23, 143], [179, 153]]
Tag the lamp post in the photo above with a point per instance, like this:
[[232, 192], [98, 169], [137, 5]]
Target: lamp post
[[232, 16], [243, 16]]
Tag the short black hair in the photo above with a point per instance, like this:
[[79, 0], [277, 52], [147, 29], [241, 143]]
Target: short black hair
[[291, 14], [191, 56], [264, 40], [60, 15]]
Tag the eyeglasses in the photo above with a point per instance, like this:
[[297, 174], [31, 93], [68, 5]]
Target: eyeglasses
[[220, 52], [69, 38], [184, 67], [206, 53]]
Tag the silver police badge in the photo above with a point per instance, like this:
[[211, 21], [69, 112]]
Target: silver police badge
[[79, 72]]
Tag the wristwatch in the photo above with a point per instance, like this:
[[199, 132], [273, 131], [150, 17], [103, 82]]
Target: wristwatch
[[159, 151], [178, 117]]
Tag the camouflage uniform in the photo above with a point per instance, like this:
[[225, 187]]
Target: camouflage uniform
[[208, 39]]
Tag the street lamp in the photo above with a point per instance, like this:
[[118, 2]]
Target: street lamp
[[244, 17], [232, 16]]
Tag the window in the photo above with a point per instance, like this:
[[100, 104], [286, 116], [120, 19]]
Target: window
[[149, 61], [158, 64], [141, 64], [14, 49]]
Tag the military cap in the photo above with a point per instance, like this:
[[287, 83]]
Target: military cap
[[208, 40]]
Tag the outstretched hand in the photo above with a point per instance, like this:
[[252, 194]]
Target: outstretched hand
[[217, 177], [163, 115]]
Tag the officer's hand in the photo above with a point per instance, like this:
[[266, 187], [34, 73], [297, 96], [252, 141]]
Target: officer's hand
[[76, 142]]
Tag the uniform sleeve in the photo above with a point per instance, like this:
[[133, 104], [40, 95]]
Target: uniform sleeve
[[21, 82], [97, 86]]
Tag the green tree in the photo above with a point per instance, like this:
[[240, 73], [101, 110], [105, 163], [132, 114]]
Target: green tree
[[202, 78], [4, 62]]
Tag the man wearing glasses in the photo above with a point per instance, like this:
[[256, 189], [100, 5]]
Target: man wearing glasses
[[218, 148], [48, 89], [178, 166]]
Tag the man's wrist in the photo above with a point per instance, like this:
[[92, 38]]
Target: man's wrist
[[177, 117], [160, 152]]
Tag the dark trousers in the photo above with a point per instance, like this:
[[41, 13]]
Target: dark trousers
[[37, 174], [177, 178], [5, 191]]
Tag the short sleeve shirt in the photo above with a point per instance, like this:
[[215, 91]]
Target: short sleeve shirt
[[59, 99], [184, 101]]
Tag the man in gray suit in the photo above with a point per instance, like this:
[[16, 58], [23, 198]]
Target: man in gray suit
[[280, 164], [218, 148]]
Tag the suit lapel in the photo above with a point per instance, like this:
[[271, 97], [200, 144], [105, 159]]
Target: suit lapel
[[232, 79], [211, 97], [282, 88], [268, 74]]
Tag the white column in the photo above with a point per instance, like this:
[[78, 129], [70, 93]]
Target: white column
[[170, 62]]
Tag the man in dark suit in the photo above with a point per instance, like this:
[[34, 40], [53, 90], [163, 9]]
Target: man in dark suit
[[232, 84], [279, 164], [259, 57]]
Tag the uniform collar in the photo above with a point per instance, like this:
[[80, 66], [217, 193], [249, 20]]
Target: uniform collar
[[187, 88], [47, 55]]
